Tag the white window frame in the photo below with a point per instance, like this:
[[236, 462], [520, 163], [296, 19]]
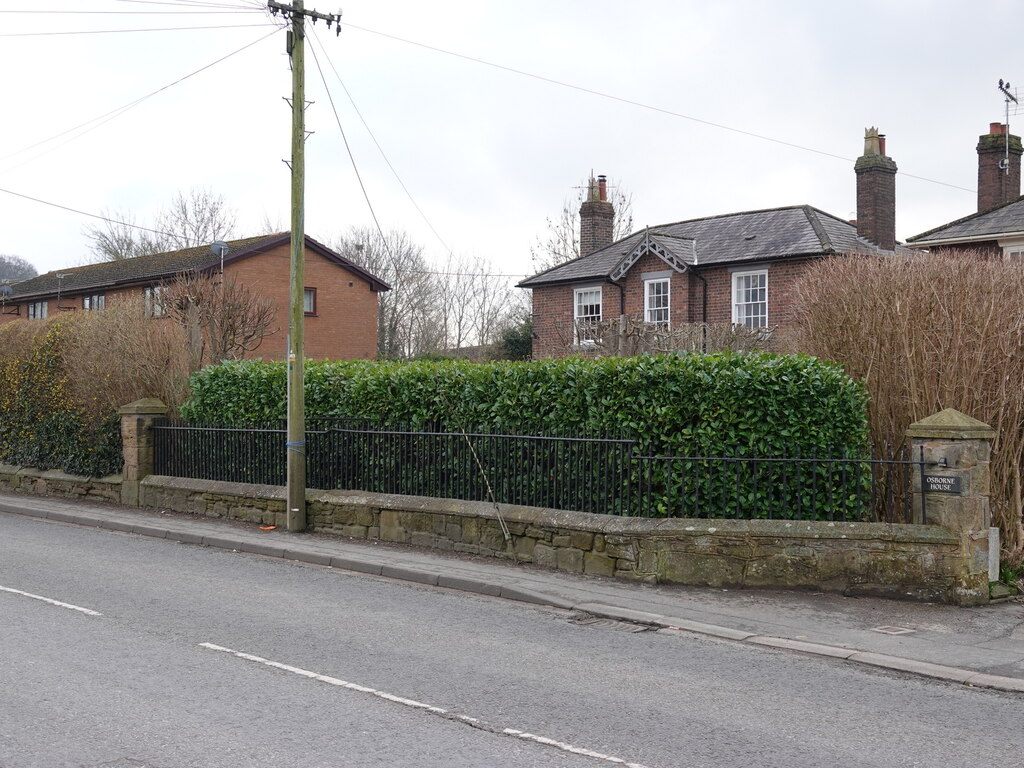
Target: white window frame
[[94, 301], [583, 337], [153, 297], [37, 310], [651, 312], [1014, 255], [741, 299]]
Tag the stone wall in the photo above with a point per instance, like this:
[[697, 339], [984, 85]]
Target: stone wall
[[921, 562], [56, 483]]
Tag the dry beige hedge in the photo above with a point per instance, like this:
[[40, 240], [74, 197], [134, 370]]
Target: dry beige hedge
[[924, 333]]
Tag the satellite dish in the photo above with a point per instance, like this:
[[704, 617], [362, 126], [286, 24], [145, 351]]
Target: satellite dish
[[219, 248], [5, 290]]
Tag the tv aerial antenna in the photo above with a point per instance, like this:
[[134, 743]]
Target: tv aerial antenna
[[1009, 95]]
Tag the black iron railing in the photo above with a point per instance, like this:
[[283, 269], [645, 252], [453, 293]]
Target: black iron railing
[[783, 487], [587, 474]]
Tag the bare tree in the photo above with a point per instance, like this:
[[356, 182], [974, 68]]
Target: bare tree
[[120, 238], [191, 220], [222, 318], [561, 239], [199, 218], [15, 268], [407, 317]]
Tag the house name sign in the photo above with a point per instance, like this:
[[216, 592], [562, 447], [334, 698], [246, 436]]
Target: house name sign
[[943, 484]]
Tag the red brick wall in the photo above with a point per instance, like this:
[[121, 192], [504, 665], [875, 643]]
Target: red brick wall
[[553, 305], [345, 325]]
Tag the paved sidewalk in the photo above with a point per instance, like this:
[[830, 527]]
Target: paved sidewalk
[[972, 646]]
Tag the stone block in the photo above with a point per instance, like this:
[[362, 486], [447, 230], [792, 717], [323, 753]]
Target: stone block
[[417, 522], [470, 529], [545, 556], [780, 571], [561, 540], [621, 551], [599, 542], [598, 564], [701, 569], [391, 528], [453, 530], [649, 561], [582, 540], [570, 560], [524, 547]]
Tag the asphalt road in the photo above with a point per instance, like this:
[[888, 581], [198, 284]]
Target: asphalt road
[[203, 657]]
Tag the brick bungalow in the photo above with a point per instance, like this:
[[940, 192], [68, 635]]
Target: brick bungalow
[[340, 296], [997, 228], [736, 268]]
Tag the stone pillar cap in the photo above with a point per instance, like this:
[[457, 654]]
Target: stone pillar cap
[[147, 405], [952, 425]]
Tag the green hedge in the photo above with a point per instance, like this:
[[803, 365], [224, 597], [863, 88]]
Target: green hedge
[[723, 403]]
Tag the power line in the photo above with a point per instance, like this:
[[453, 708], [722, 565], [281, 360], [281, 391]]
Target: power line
[[105, 118], [185, 3], [84, 213], [379, 147], [352, 159], [118, 31], [237, 9], [633, 103]]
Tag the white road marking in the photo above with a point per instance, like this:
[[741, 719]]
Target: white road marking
[[51, 601], [454, 716]]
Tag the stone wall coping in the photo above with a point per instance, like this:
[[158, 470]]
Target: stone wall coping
[[147, 405], [951, 424], [218, 487], [56, 474], [579, 521]]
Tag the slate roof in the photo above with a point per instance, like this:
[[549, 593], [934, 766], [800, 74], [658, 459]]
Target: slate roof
[[1007, 219], [156, 267], [733, 238]]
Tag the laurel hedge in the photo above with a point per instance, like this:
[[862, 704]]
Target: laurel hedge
[[758, 404]]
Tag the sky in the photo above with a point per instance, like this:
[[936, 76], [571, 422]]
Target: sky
[[470, 123]]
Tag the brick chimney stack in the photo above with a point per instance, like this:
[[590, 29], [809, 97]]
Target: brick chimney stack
[[596, 217], [998, 176], [876, 192]]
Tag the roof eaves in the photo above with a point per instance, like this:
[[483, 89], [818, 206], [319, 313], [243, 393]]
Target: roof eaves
[[963, 219]]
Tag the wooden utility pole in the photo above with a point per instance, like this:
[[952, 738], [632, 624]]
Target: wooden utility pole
[[296, 440]]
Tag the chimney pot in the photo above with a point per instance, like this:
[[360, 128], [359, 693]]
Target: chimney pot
[[602, 188], [996, 128]]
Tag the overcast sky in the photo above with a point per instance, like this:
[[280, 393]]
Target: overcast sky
[[492, 113]]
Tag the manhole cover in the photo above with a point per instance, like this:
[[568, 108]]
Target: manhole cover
[[589, 620], [893, 630]]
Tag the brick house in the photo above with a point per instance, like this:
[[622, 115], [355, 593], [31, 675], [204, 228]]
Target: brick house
[[997, 228], [340, 296], [737, 268]]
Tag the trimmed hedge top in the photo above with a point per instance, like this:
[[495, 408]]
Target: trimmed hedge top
[[717, 404]]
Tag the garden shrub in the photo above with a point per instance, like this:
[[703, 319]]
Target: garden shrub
[[723, 404]]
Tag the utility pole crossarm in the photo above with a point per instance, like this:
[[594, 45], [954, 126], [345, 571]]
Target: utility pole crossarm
[[292, 12]]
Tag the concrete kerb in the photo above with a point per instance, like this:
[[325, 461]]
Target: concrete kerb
[[411, 573]]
